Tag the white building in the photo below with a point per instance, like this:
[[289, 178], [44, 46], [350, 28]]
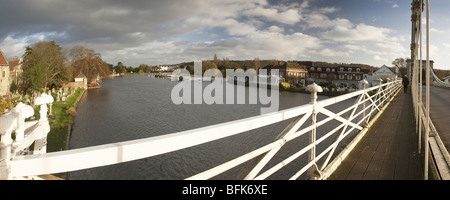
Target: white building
[[167, 67], [4, 75], [383, 73]]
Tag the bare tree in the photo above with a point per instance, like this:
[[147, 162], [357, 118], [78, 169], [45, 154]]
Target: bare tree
[[257, 64], [89, 63], [401, 64]]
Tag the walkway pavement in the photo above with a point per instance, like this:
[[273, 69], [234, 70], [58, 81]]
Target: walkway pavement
[[389, 151]]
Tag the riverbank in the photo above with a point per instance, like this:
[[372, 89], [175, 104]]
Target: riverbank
[[303, 90], [61, 120]]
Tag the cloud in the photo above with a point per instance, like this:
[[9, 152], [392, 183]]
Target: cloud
[[16, 44], [332, 53], [360, 32], [290, 16], [395, 5], [172, 31], [379, 58]]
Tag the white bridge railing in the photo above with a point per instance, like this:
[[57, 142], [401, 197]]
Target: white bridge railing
[[26, 133], [369, 104]]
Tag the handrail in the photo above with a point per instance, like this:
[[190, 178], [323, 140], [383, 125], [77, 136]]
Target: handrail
[[114, 153], [26, 133]]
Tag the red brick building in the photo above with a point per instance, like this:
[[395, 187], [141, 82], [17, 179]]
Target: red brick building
[[291, 72], [336, 73]]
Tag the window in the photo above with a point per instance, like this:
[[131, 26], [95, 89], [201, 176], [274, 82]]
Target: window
[[341, 69], [4, 73], [349, 77], [312, 68], [328, 69], [341, 77], [358, 69], [332, 70], [323, 75], [358, 78], [319, 69], [349, 69]]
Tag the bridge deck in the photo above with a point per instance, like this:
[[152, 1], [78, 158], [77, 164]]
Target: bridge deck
[[389, 151], [439, 104]]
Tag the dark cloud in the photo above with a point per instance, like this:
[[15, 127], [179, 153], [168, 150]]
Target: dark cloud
[[171, 31]]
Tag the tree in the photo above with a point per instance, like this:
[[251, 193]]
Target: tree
[[257, 64], [45, 65], [208, 65], [143, 68], [89, 63], [401, 64], [120, 68]]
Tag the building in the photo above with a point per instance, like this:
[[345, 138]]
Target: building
[[410, 65], [383, 73], [80, 82], [291, 72], [341, 76], [4, 76], [166, 68], [15, 70]]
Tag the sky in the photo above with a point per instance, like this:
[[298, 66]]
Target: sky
[[135, 32]]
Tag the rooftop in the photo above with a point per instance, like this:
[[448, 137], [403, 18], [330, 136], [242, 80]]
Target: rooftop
[[3, 60]]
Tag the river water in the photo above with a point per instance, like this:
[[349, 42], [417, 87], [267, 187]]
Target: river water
[[138, 106]]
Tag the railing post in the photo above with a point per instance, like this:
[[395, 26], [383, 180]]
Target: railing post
[[380, 91], [5, 156], [313, 88], [21, 111], [40, 145], [364, 83], [7, 123], [50, 105]]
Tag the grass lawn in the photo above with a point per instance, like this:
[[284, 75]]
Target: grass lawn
[[60, 121]]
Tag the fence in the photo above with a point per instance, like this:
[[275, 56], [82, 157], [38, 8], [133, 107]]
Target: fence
[[369, 104]]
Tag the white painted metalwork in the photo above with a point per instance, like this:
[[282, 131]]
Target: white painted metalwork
[[26, 133], [430, 138], [369, 101]]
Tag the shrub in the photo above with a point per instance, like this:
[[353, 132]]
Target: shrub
[[285, 85], [13, 88], [5, 103], [71, 111]]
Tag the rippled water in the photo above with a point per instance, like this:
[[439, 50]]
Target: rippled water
[[135, 107]]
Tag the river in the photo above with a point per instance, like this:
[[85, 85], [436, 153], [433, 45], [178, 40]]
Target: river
[[138, 106]]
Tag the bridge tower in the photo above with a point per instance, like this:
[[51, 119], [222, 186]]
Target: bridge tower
[[415, 34]]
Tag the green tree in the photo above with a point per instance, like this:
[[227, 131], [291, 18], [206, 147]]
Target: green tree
[[45, 65], [120, 68]]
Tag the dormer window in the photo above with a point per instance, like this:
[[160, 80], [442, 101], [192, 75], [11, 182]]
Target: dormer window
[[319, 69], [349, 69], [328, 69], [358, 69], [341, 69], [312, 68]]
